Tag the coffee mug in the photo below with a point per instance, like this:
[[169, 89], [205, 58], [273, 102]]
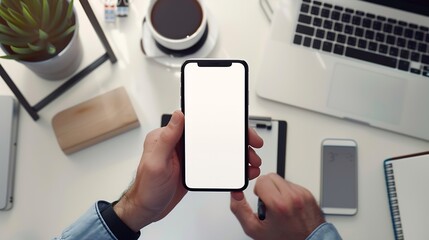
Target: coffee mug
[[177, 24]]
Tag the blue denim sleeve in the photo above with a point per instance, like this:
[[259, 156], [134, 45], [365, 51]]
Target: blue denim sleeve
[[325, 231], [89, 226]]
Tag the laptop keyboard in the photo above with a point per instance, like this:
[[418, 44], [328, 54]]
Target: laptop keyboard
[[364, 36]]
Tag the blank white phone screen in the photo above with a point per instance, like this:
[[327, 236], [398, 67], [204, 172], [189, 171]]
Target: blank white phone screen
[[339, 177], [215, 130]]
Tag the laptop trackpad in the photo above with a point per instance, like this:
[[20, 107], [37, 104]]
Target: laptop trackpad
[[367, 94]]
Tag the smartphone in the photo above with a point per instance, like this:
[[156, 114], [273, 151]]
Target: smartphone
[[214, 100], [339, 186], [9, 109]]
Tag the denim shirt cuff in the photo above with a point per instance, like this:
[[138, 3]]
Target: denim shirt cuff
[[325, 231], [89, 226]]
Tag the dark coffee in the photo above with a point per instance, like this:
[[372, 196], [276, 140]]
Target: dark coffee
[[176, 19]]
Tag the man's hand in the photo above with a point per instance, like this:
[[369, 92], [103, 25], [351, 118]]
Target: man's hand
[[291, 210], [158, 186]]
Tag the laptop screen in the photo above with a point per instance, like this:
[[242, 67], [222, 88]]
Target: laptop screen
[[416, 6]]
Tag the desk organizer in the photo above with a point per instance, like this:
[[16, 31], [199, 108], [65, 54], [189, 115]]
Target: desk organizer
[[94, 120]]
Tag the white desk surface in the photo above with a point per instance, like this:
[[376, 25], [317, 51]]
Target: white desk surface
[[53, 189]]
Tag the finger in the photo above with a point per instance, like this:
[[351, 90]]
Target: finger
[[254, 164], [294, 196], [266, 190], [254, 159], [254, 139], [279, 200], [305, 194], [244, 214], [170, 135], [286, 187], [254, 172], [280, 182], [238, 196]]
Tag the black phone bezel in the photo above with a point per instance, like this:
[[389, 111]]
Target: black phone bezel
[[216, 63]]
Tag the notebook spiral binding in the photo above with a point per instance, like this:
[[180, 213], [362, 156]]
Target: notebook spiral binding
[[393, 200]]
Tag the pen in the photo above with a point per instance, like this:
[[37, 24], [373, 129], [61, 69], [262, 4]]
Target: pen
[[261, 209]]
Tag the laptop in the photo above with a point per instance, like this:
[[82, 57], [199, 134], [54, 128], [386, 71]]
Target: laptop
[[366, 61], [8, 133]]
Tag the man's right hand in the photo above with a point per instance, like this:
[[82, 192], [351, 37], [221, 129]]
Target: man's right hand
[[291, 210]]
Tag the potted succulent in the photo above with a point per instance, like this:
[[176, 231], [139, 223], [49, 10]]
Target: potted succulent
[[41, 34]]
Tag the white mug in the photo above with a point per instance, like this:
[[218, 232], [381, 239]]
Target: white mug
[[160, 24]]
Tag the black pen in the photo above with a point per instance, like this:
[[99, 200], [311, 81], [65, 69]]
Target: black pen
[[261, 209]]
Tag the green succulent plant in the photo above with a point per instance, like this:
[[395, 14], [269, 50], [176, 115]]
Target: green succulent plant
[[35, 30]]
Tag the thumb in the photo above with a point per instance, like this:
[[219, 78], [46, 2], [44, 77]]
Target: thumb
[[244, 214], [171, 134]]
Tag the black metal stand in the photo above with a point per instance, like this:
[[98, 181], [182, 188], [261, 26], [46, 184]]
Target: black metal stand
[[33, 110]]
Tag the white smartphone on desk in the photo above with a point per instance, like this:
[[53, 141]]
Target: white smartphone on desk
[[8, 133], [339, 187], [214, 99]]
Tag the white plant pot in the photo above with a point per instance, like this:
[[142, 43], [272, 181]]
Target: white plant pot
[[62, 65]]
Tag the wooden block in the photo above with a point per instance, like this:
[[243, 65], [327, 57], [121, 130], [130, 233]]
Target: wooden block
[[95, 120]]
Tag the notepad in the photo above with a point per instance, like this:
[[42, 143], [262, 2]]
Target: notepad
[[407, 182]]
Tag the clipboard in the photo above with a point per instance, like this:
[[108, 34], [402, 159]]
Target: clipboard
[[207, 215], [274, 133]]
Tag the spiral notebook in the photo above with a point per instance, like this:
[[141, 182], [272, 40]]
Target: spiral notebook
[[407, 182]]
